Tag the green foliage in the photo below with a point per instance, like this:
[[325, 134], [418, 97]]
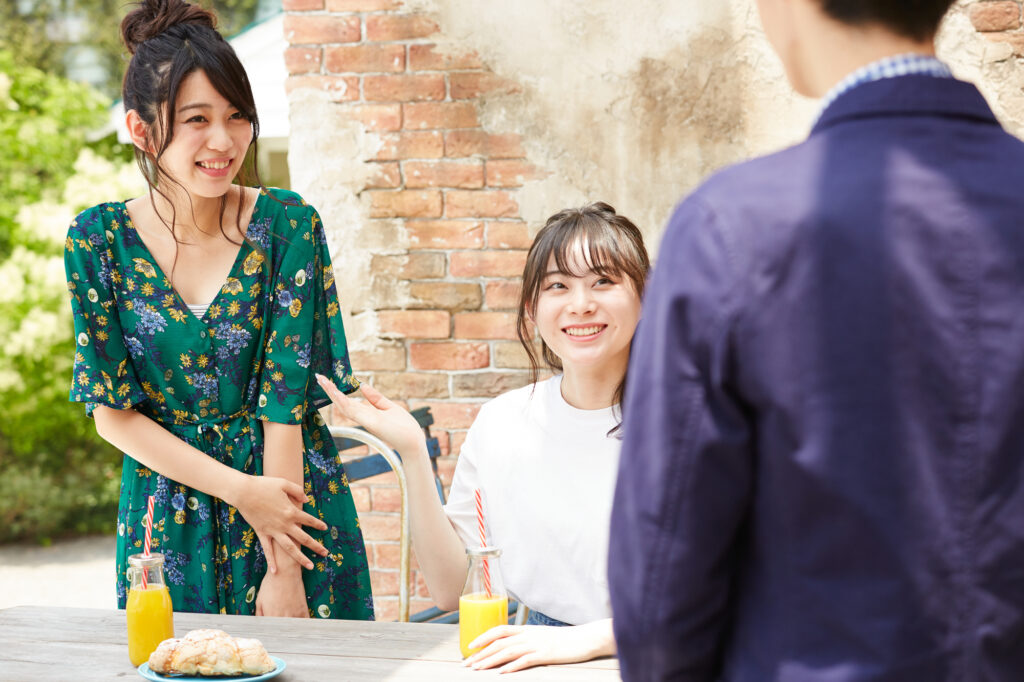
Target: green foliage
[[59, 476]]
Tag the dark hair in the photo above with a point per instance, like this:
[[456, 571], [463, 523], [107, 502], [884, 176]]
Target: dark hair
[[917, 19], [615, 248], [168, 40]]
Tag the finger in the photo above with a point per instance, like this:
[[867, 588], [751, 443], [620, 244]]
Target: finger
[[521, 663], [307, 519], [268, 551], [494, 633], [293, 551], [500, 653], [306, 540], [376, 398]]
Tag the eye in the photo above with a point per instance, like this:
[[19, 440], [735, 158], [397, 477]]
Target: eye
[[239, 116], [553, 285], [196, 119], [604, 281]]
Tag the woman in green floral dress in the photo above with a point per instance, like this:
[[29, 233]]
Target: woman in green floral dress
[[202, 312]]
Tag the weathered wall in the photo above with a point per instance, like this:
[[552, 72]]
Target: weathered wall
[[435, 136]]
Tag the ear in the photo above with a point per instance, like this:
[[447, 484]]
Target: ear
[[139, 131]]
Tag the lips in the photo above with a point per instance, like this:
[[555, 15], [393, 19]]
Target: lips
[[584, 331], [215, 167]]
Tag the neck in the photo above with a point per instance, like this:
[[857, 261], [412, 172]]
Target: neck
[[828, 50], [593, 388], [195, 218]]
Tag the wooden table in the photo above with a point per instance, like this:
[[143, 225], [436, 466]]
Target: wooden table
[[52, 643]]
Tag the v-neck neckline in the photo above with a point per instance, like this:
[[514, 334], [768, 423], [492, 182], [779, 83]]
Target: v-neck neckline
[[182, 304]]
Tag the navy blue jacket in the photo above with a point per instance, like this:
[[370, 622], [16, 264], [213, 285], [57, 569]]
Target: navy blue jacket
[[822, 477]]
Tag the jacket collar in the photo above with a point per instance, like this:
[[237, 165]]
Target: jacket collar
[[912, 95]]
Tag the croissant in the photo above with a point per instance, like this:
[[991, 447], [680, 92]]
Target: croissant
[[210, 652]]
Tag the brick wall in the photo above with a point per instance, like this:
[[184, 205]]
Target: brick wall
[[452, 184], [999, 21]]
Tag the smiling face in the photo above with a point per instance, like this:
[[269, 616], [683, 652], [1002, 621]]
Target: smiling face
[[210, 139], [586, 318]]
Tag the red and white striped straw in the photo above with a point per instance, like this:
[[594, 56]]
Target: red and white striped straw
[[149, 538], [483, 540]]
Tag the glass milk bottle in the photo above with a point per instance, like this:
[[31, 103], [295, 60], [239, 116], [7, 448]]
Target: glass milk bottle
[[149, 611], [484, 602]]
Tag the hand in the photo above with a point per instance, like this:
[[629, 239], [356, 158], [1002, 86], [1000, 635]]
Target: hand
[[379, 416], [269, 504], [282, 594], [517, 647]]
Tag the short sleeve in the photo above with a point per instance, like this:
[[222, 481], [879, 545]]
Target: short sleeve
[[304, 332], [461, 505], [103, 370]]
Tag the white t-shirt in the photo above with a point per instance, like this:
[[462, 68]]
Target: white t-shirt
[[546, 471]]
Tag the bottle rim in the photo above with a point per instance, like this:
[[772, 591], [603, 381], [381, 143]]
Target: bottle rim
[[483, 551], [143, 561]]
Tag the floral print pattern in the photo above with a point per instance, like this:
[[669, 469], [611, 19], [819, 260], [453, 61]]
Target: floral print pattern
[[252, 356]]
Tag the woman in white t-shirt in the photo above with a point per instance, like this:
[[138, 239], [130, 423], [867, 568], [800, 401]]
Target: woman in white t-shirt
[[544, 456]]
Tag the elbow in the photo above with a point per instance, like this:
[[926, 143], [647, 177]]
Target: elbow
[[448, 603], [106, 420]]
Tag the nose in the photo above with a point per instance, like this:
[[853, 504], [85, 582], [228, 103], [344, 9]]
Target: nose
[[582, 300], [219, 139]]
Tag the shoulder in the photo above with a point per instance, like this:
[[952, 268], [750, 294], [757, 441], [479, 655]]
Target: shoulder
[[92, 220]]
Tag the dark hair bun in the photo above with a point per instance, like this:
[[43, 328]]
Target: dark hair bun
[[153, 17]]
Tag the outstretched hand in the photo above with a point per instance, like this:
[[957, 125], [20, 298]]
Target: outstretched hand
[[273, 507], [379, 416], [517, 647]]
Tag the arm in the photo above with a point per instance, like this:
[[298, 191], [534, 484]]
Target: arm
[[686, 469], [519, 647], [283, 593], [267, 503], [439, 551]]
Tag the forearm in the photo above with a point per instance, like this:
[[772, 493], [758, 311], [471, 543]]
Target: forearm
[[155, 447], [439, 550], [282, 457], [603, 637]]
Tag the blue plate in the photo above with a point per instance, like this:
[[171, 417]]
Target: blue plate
[[157, 677]]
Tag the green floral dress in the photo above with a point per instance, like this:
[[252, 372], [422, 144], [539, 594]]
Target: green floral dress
[[210, 381]]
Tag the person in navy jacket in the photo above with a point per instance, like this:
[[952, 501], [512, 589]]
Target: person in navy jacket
[[821, 477]]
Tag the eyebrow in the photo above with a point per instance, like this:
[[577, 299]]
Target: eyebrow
[[197, 105]]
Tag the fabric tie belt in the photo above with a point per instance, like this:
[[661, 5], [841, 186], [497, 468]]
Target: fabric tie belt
[[203, 426]]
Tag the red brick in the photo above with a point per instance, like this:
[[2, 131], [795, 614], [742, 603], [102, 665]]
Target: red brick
[[442, 441], [449, 355], [385, 608], [472, 84], [389, 555], [320, 29], [428, 58], [380, 526], [447, 115], [340, 89], [487, 263], [403, 88], [385, 27], [1016, 41], [510, 173], [454, 296], [456, 439], [487, 384], [383, 356], [412, 384], [409, 204], [446, 466], [362, 5], [419, 586], [512, 355], [480, 204], [411, 145], [384, 176], [503, 295], [995, 16], [361, 497], [302, 5], [302, 59], [508, 235], [451, 415], [445, 234], [461, 143], [386, 499], [384, 581], [382, 117], [364, 58], [444, 174], [417, 324], [417, 265], [485, 325]]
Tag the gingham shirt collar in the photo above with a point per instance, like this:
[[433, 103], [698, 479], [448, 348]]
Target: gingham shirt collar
[[889, 67]]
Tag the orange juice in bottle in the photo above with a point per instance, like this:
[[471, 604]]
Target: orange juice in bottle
[[149, 611], [484, 602]]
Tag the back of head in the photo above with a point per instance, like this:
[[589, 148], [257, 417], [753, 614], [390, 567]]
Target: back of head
[[916, 19], [168, 40]]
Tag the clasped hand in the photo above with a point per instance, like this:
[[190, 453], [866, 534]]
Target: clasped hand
[[273, 507]]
